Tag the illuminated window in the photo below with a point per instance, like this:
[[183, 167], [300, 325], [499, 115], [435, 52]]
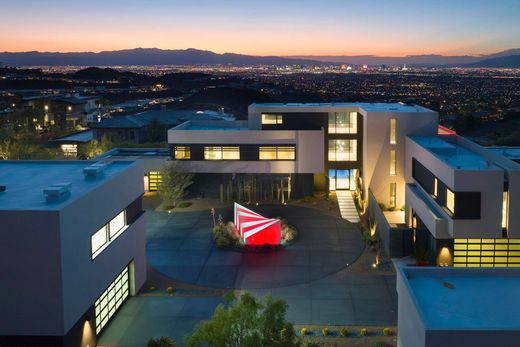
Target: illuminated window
[[221, 153], [99, 239], [343, 123], [117, 224], [392, 162], [450, 201], [486, 253], [111, 299], [272, 119], [435, 186], [505, 209], [342, 150], [69, 150], [154, 180], [108, 233], [393, 128], [393, 194], [182, 152], [277, 153]]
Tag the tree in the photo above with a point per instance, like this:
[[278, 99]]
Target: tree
[[17, 145], [155, 131], [174, 183], [94, 148], [246, 322]]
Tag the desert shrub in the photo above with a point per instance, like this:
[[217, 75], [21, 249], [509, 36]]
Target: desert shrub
[[225, 235], [363, 332], [344, 332], [169, 290], [387, 331], [163, 341], [325, 331], [289, 233], [304, 331], [306, 199]]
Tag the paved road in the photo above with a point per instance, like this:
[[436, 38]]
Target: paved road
[[180, 247]]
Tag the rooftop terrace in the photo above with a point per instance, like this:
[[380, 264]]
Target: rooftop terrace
[[455, 155], [26, 180]]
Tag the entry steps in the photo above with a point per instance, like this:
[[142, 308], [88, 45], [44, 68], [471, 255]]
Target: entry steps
[[347, 207]]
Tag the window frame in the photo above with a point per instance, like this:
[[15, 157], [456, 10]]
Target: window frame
[[222, 150], [393, 162], [277, 150], [393, 131], [184, 149], [333, 156], [109, 236]]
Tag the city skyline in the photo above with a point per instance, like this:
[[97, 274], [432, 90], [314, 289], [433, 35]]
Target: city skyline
[[264, 28]]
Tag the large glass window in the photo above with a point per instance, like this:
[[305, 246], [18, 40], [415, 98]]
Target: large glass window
[[505, 209], [272, 119], [393, 162], [393, 129], [111, 299], [450, 200], [117, 224], [99, 239], [393, 194], [221, 153], [343, 123], [342, 150], [182, 152], [108, 233], [277, 153]]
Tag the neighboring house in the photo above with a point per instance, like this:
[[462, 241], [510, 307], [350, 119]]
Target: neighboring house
[[72, 245], [149, 126], [69, 143], [73, 109]]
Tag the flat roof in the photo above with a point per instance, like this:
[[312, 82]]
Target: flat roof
[[211, 125], [26, 180], [453, 154], [465, 298], [136, 153], [512, 153], [367, 106]]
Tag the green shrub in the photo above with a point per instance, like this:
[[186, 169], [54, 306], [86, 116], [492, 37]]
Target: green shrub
[[184, 204], [363, 332], [304, 331], [344, 332], [387, 331], [325, 331], [163, 341], [225, 235], [152, 289], [307, 198], [169, 290]]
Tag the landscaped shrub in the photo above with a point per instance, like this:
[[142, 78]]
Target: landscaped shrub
[[325, 331], [363, 332], [289, 233], [304, 331], [152, 289], [225, 235], [184, 204], [169, 290], [344, 332], [163, 341], [387, 331]]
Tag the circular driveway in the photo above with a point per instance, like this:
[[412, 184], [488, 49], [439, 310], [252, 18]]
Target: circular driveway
[[180, 246]]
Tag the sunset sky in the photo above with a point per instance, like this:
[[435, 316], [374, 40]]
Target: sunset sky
[[267, 27]]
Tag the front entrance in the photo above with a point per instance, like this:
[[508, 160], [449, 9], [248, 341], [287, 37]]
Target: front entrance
[[342, 179]]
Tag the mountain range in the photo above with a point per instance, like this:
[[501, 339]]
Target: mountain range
[[154, 56]]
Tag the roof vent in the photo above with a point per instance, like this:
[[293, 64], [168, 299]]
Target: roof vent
[[94, 170], [56, 191]]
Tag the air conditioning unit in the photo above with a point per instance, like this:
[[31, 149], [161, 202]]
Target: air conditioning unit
[[57, 191]]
